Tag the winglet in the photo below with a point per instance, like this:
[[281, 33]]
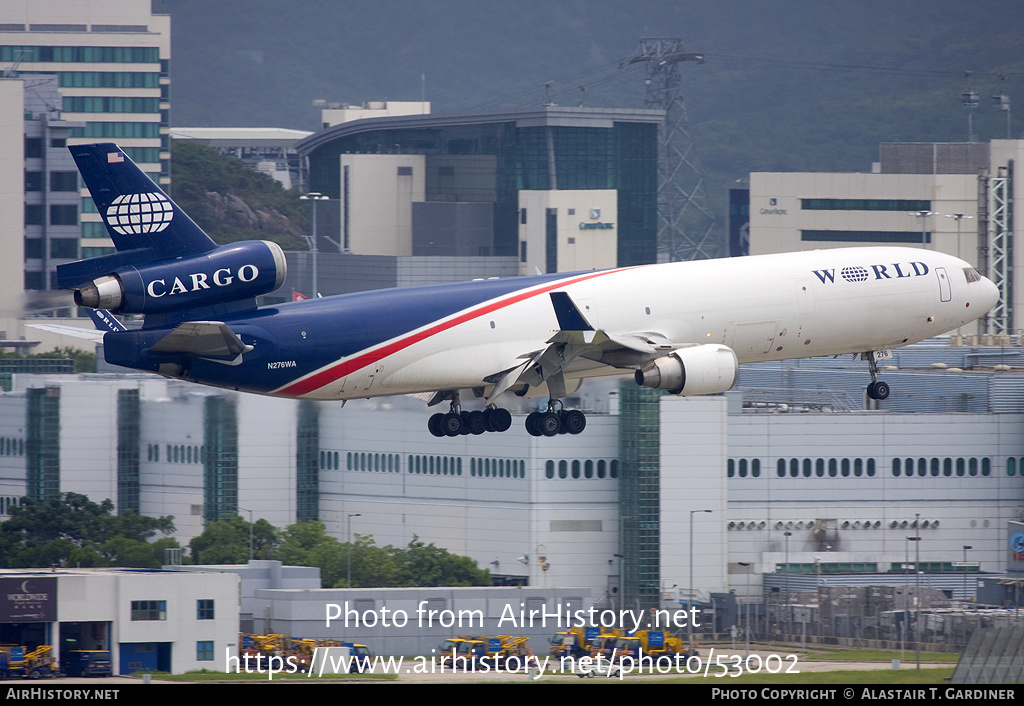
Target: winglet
[[570, 318]]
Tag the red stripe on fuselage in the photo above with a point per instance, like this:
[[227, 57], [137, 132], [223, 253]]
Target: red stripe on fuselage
[[339, 370]]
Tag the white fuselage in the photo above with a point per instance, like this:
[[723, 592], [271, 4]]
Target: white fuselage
[[770, 307]]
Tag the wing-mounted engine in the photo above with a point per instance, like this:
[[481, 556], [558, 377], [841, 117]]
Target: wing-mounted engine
[[229, 273], [697, 370]]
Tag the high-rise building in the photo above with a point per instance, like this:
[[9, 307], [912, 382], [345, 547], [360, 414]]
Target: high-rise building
[[88, 71]]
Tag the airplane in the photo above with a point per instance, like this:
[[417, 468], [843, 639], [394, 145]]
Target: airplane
[[680, 327]]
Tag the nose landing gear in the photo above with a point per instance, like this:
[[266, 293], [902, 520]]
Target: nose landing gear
[[878, 389]]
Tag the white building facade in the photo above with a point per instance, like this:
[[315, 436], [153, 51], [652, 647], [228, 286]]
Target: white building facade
[[958, 198]]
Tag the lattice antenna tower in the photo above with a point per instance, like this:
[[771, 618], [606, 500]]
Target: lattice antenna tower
[[686, 223]]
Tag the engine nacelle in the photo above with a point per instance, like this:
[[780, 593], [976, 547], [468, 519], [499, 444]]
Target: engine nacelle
[[699, 370], [228, 273]]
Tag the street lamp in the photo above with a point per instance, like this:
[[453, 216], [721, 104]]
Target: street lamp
[[966, 547], [349, 539], [746, 595], [787, 535], [314, 197], [959, 217], [923, 215], [250, 532], [917, 586], [817, 582], [690, 621]]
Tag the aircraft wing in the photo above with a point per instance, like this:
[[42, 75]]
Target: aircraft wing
[[205, 339], [577, 343]]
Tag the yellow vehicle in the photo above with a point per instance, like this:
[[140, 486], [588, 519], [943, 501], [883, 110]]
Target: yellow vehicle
[[480, 648], [575, 642], [301, 650], [653, 643], [603, 644]]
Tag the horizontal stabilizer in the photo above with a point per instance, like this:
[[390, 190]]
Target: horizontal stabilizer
[[86, 334], [203, 338]]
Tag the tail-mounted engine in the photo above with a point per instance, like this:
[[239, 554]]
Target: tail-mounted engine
[[699, 370], [228, 273]]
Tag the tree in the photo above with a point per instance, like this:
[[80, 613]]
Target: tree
[[71, 530], [85, 362], [419, 564], [429, 565], [227, 541]]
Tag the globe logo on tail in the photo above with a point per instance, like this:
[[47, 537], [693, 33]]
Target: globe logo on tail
[[134, 214]]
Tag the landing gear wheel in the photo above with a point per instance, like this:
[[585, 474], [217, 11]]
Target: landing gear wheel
[[498, 420], [574, 421], [549, 423], [878, 390], [436, 424], [452, 424], [476, 423], [533, 424]]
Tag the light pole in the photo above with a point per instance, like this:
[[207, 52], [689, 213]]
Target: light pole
[[349, 539], [690, 621], [906, 596], [817, 585], [959, 217], [923, 215], [787, 535], [746, 592], [313, 248], [917, 586], [250, 532], [966, 547]]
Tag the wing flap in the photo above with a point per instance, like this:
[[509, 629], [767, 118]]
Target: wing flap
[[577, 338]]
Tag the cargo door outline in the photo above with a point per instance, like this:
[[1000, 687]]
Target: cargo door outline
[[945, 292]]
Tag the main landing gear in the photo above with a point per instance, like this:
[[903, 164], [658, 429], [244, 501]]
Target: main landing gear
[[551, 422], [457, 421], [878, 389]]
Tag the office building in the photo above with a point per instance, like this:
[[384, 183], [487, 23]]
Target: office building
[[958, 198]]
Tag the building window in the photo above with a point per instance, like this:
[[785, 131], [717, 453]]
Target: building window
[[204, 609], [204, 651], [33, 215], [149, 610], [66, 215], [33, 147], [865, 205], [64, 248], [63, 181]]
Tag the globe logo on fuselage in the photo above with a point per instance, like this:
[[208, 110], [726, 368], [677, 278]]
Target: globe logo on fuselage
[[854, 274], [134, 214]]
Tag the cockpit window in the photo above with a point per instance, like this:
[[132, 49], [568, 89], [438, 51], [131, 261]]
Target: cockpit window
[[971, 274]]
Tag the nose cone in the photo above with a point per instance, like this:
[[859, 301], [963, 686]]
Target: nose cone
[[986, 296]]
